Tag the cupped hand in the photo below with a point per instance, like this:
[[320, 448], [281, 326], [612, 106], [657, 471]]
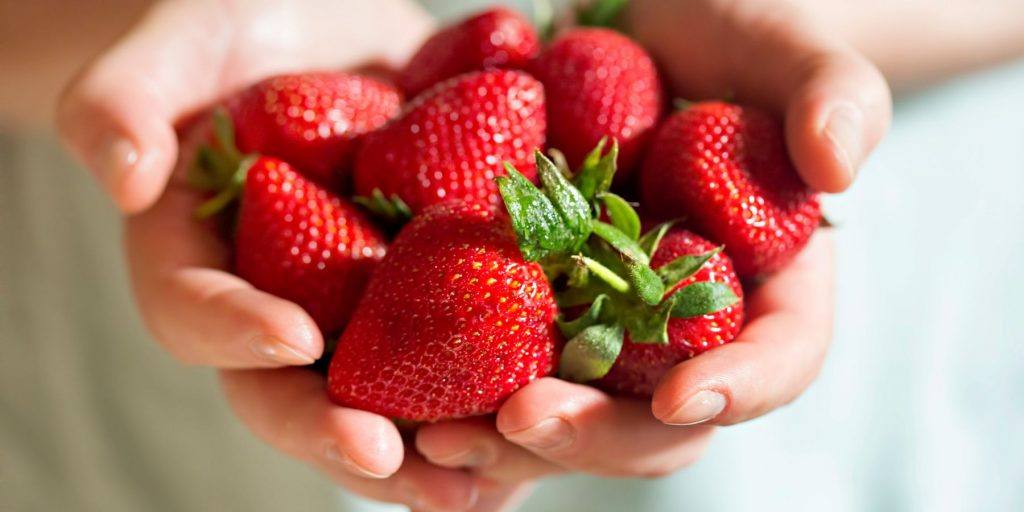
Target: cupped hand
[[131, 117], [836, 107], [123, 117]]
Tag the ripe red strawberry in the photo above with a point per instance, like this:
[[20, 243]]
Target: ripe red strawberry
[[640, 366], [651, 300], [725, 169], [312, 120], [451, 141], [292, 237], [495, 38], [452, 322], [301, 242], [599, 84]]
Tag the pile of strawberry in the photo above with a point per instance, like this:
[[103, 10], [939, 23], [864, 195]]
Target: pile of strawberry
[[512, 166]]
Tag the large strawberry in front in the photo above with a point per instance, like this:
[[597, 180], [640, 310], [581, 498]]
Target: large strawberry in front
[[599, 84], [452, 322], [312, 120], [725, 169], [496, 38], [452, 140]]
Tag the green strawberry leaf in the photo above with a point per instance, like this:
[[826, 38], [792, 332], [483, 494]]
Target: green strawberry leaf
[[224, 133], [229, 193], [540, 229], [210, 168], [583, 295], [651, 326], [601, 13], [684, 104], [683, 267], [392, 209], [645, 282], [620, 241], [702, 298], [597, 172], [650, 240], [622, 214], [567, 200], [571, 328], [591, 353]]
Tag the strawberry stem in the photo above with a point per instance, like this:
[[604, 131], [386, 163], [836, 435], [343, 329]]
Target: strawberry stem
[[605, 265], [229, 192], [220, 168], [606, 274]]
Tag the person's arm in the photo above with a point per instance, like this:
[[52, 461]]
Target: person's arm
[[918, 42]]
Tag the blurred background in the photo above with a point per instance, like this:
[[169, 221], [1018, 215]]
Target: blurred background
[[920, 405]]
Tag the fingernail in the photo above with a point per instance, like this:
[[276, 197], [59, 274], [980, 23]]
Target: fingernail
[[471, 458], [275, 351], [701, 407], [549, 434], [411, 496], [120, 159], [844, 129], [336, 456]]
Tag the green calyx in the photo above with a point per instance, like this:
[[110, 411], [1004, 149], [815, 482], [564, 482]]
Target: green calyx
[[220, 168], [601, 13], [589, 242], [391, 210]]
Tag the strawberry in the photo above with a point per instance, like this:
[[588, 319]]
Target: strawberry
[[452, 322], [725, 169], [495, 38], [599, 84], [312, 120], [650, 300], [450, 142], [640, 366], [292, 237]]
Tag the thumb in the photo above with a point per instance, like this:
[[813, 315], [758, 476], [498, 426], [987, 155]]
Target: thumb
[[117, 116], [836, 104]]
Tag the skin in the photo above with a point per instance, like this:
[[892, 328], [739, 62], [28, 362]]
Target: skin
[[128, 117]]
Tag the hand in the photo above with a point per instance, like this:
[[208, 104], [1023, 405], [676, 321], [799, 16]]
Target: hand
[[552, 426], [130, 117], [836, 107]]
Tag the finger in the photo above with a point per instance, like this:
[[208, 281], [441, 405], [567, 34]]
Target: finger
[[496, 497], [118, 115], [837, 105], [582, 428], [839, 110], [475, 444], [289, 409], [417, 484], [200, 313], [776, 356]]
